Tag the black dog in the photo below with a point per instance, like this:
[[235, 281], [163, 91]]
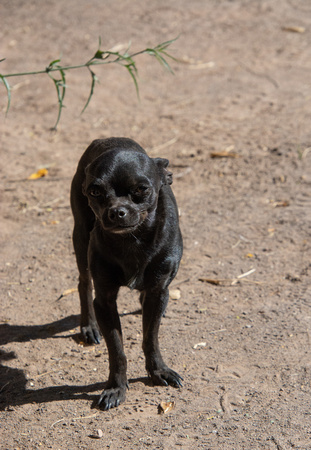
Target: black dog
[[126, 233]]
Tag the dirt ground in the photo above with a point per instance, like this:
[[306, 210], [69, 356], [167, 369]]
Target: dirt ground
[[234, 121]]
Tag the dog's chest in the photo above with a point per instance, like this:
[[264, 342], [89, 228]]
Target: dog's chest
[[125, 261], [133, 273], [132, 262], [133, 279]]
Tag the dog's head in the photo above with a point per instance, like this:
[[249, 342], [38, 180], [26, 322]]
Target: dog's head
[[122, 187]]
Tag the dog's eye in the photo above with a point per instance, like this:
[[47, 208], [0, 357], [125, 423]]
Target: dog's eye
[[140, 190], [94, 193]]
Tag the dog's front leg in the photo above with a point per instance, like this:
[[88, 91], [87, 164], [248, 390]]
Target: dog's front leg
[[108, 319], [154, 302], [89, 328]]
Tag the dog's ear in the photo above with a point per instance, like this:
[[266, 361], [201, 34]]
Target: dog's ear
[[84, 180], [83, 188], [166, 176]]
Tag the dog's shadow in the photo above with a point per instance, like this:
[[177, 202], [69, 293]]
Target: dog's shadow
[[13, 382], [23, 333]]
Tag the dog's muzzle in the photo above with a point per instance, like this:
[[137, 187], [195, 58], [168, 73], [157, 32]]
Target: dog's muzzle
[[122, 219], [118, 216]]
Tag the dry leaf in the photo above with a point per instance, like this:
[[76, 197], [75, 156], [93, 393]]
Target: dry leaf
[[119, 47], [206, 65], [208, 280], [196, 64], [249, 255], [67, 292], [165, 407], [294, 29], [281, 204], [224, 154], [39, 174], [271, 232]]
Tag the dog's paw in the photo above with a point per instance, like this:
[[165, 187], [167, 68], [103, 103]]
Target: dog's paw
[[165, 377], [111, 398], [90, 334]]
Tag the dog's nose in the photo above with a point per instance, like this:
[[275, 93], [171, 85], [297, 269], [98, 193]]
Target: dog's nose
[[116, 215]]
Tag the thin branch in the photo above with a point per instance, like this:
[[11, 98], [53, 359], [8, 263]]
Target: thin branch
[[100, 57]]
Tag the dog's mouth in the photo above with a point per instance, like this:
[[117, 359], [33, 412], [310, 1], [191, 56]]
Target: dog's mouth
[[122, 230]]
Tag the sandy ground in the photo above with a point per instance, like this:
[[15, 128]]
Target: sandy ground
[[240, 332]]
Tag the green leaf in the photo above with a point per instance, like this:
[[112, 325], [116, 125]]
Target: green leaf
[[131, 68], [8, 90], [60, 86], [94, 79], [52, 64], [166, 44], [157, 54], [100, 55]]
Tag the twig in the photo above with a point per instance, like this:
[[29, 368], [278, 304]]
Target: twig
[[260, 75], [67, 292], [236, 244], [6, 384], [246, 273], [232, 281], [45, 373], [74, 418], [177, 283], [165, 144], [101, 57], [183, 173], [218, 331], [305, 152]]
